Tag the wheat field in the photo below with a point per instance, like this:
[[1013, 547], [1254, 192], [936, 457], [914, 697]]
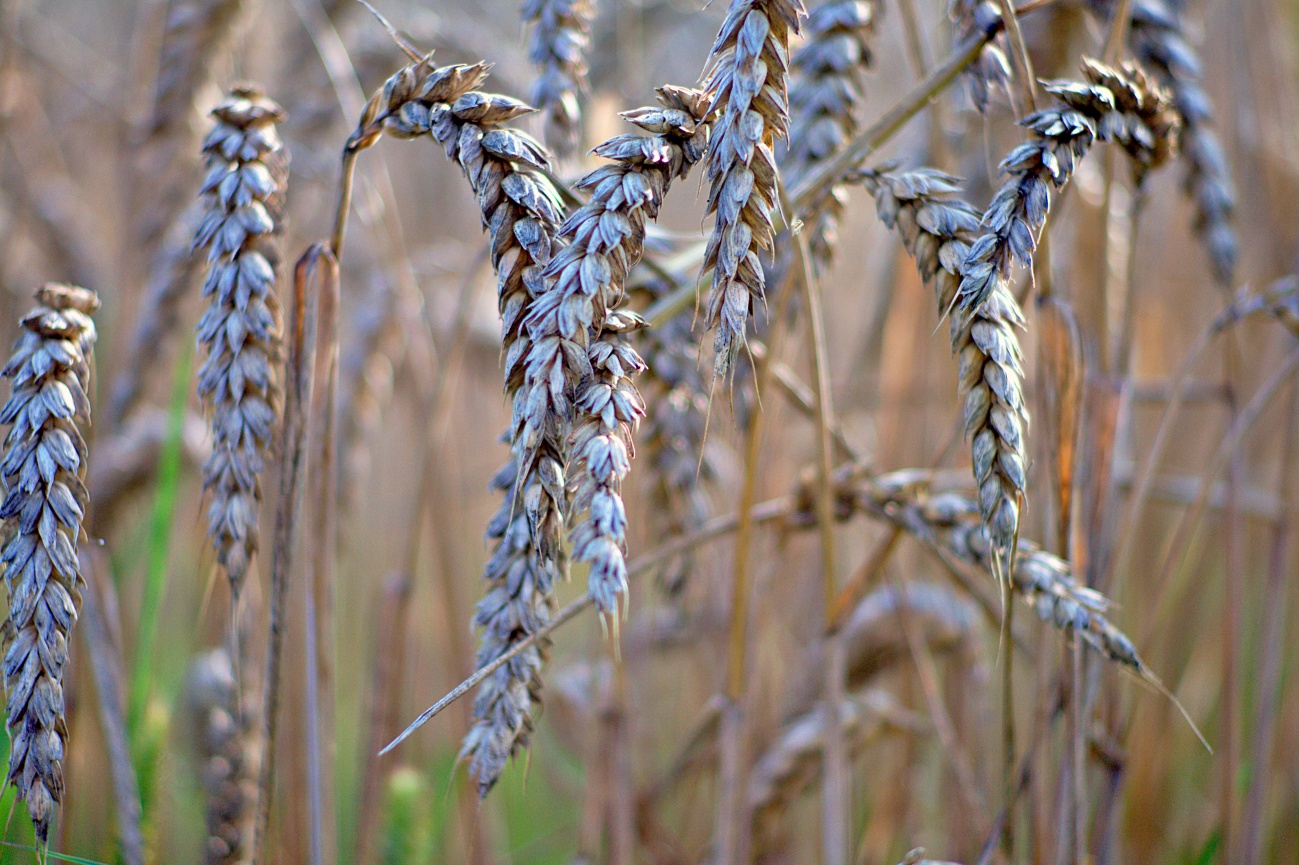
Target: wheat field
[[650, 431]]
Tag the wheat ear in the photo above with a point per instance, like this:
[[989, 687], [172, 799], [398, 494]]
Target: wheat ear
[[239, 333], [561, 32], [748, 86], [45, 500], [228, 756], [938, 229], [579, 333], [520, 208], [826, 90], [1159, 41]]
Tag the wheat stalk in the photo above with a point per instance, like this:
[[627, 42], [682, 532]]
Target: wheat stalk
[[239, 332], [748, 86], [45, 500], [560, 35]]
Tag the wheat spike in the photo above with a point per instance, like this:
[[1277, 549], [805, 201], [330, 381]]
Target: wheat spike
[[748, 86], [520, 208], [826, 90], [1158, 40], [681, 468], [579, 333], [239, 333], [938, 231], [45, 501], [228, 755], [990, 74], [560, 36]]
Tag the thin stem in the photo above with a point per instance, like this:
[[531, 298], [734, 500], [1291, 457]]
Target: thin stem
[[835, 793], [1019, 53], [1243, 422], [1270, 665], [313, 272], [769, 511]]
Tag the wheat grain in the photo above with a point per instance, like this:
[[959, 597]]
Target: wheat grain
[[520, 208], [586, 283], [560, 35], [45, 501], [826, 90], [228, 754], [239, 333], [748, 85]]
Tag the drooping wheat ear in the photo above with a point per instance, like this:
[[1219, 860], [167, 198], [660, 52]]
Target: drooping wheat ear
[[790, 764], [938, 230], [1062, 135], [826, 90], [950, 524], [239, 333], [228, 754], [579, 343], [45, 500], [560, 35], [681, 468], [991, 73], [1159, 42], [520, 208], [747, 84]]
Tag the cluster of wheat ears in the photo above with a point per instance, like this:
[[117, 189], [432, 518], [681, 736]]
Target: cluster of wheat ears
[[613, 332]]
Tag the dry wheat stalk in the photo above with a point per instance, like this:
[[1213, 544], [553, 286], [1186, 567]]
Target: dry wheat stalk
[[560, 35], [938, 229], [45, 501], [239, 333], [1157, 39], [580, 351], [519, 207], [228, 754], [747, 84], [826, 90]]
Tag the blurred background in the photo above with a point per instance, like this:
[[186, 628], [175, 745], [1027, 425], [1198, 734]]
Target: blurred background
[[102, 108]]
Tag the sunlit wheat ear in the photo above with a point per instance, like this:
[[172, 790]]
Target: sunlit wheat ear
[[1159, 41], [748, 85], [239, 333], [826, 92], [227, 753], [45, 500], [581, 368], [937, 228], [561, 31], [520, 208]]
